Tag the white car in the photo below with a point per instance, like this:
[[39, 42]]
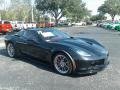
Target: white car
[[17, 25], [79, 24], [29, 25]]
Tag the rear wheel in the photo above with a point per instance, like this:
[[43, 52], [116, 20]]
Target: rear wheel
[[12, 52], [62, 64]]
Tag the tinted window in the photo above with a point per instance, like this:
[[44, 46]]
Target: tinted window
[[31, 35], [51, 35]]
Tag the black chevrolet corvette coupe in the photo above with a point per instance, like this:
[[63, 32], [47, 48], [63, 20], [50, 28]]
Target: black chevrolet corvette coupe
[[67, 54]]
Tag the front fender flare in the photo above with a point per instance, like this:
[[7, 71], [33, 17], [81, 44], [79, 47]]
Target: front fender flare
[[68, 54]]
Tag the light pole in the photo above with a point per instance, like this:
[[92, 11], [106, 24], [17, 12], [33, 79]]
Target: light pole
[[32, 14]]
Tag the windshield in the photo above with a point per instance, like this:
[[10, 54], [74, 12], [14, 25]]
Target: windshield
[[53, 35]]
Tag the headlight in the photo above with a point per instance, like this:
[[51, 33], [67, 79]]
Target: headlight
[[83, 53]]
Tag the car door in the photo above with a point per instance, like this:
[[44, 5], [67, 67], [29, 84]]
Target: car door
[[35, 46], [21, 41]]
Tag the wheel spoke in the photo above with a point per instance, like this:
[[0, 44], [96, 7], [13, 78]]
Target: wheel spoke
[[10, 50], [62, 64]]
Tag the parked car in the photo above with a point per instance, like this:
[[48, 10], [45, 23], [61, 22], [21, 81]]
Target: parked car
[[110, 25], [17, 25], [40, 24], [67, 54], [117, 27], [105, 25], [79, 24], [114, 25], [64, 24], [51, 24], [89, 22], [45, 24], [5, 26], [34, 24], [99, 24], [29, 25]]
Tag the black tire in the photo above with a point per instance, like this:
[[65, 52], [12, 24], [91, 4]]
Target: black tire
[[64, 63], [16, 53]]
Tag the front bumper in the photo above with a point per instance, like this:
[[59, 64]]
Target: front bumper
[[86, 67], [6, 30]]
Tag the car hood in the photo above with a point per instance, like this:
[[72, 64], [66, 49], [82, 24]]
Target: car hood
[[88, 45]]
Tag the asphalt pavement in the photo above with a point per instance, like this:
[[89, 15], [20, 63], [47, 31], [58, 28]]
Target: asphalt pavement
[[26, 73]]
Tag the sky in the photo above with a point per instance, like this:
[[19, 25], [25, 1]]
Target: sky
[[93, 5]]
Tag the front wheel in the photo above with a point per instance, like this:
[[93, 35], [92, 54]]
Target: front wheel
[[62, 64]]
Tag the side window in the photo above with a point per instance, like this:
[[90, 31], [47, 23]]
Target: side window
[[30, 35]]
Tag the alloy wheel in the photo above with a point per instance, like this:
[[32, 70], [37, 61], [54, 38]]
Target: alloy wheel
[[62, 64], [10, 50]]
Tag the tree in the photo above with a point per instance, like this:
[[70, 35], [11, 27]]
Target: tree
[[59, 8], [3, 5], [98, 17], [111, 7], [78, 11], [22, 9]]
